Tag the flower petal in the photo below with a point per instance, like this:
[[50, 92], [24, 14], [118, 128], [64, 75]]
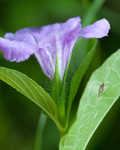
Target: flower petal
[[19, 46], [14, 50], [23, 35], [47, 63], [97, 30], [56, 40], [50, 42], [68, 41]]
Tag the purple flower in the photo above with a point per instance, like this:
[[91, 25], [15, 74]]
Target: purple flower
[[50, 42]]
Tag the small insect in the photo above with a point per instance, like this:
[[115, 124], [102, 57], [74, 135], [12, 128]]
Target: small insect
[[101, 89]]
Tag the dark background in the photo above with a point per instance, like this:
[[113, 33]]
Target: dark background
[[19, 116]]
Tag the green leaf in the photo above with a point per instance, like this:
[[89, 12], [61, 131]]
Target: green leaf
[[31, 90], [75, 82], [102, 91]]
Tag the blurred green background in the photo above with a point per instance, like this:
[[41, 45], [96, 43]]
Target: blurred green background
[[19, 116]]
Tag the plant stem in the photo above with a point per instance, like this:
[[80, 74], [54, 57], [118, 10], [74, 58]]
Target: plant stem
[[40, 131]]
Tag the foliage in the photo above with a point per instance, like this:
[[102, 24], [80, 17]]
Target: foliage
[[77, 125]]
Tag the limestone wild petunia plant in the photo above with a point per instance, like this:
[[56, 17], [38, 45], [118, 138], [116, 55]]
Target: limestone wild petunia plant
[[51, 45]]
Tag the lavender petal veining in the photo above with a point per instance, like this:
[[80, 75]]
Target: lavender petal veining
[[50, 42]]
